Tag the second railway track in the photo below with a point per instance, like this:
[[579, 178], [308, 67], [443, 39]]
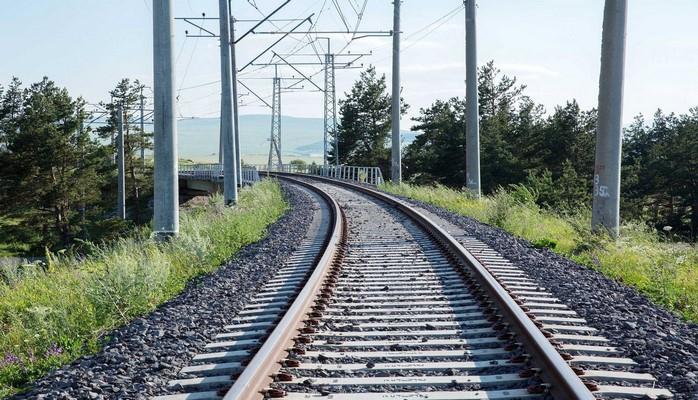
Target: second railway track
[[396, 307]]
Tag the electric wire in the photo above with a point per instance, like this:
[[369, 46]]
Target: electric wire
[[356, 27], [429, 28], [310, 39], [351, 4], [341, 14]]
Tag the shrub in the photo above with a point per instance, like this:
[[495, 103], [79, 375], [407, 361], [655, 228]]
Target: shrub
[[544, 243]]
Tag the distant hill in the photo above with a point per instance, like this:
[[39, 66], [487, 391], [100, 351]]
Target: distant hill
[[302, 137]]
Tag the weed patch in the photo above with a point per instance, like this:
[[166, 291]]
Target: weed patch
[[52, 314]]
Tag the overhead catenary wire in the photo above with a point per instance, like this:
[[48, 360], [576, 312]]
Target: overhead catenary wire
[[429, 28], [309, 40], [351, 4], [356, 27], [188, 66], [310, 37], [186, 69], [341, 14], [302, 44]]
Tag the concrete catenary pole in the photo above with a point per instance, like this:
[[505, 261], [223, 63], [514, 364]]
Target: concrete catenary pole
[[606, 199], [83, 206], [113, 139], [236, 124], [230, 189], [142, 135], [472, 120], [166, 196], [220, 139], [121, 166], [325, 114], [396, 164]]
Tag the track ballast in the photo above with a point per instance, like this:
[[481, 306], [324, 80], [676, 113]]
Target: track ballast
[[404, 311]]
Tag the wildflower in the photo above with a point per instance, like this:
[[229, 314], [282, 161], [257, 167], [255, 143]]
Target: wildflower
[[9, 359], [54, 351]]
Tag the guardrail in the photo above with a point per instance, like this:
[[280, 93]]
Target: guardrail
[[367, 175], [214, 173], [250, 174], [204, 172]]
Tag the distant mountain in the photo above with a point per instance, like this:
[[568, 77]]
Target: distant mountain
[[311, 148], [198, 138]]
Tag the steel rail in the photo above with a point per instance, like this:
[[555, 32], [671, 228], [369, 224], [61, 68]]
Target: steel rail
[[258, 373], [565, 384]]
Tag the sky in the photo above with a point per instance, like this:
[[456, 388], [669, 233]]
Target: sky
[[552, 46]]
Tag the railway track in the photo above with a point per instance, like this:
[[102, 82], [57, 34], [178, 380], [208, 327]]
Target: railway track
[[384, 301]]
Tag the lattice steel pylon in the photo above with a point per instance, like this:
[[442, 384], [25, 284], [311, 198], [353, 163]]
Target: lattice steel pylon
[[275, 139], [330, 109]]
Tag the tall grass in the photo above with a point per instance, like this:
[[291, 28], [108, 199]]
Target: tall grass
[[54, 313], [664, 271]]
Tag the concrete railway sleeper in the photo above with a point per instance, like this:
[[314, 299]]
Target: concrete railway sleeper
[[388, 302]]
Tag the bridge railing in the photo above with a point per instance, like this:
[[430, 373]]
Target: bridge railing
[[250, 175], [368, 175], [214, 173], [203, 172]]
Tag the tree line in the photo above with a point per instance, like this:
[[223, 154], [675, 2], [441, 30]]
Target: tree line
[[58, 173], [58, 177], [521, 144]]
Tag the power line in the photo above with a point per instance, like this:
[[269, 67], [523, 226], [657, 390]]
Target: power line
[[356, 27], [351, 4], [186, 69], [201, 85], [430, 28], [308, 41], [341, 14]]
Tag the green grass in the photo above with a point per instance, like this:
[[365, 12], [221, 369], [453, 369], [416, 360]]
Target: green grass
[[51, 314], [666, 272]]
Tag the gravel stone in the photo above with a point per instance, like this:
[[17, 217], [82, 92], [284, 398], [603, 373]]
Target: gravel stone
[[661, 342], [370, 220], [141, 357]]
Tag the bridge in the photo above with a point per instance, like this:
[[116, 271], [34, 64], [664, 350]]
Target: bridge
[[210, 177]]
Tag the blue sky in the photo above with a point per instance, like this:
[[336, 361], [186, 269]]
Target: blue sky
[[553, 46]]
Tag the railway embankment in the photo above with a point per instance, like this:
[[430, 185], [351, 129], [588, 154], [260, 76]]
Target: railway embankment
[[93, 310]]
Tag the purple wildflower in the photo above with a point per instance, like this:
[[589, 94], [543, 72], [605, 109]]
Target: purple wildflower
[[9, 359], [54, 351]]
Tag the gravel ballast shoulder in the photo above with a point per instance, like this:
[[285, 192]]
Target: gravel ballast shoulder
[[663, 344], [141, 357]]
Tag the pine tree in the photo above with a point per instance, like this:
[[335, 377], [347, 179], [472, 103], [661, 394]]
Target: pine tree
[[364, 128], [50, 164], [438, 154]]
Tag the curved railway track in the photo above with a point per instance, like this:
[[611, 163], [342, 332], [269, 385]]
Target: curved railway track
[[385, 301]]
